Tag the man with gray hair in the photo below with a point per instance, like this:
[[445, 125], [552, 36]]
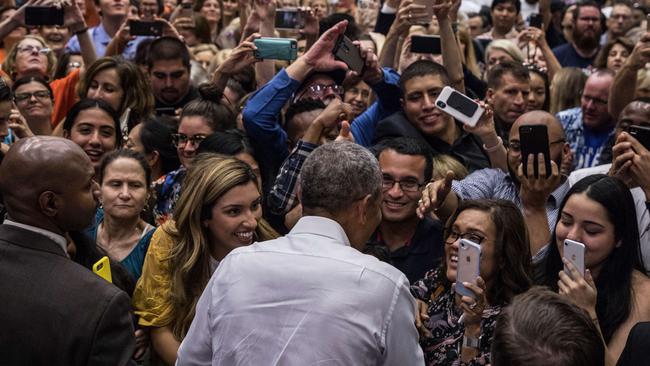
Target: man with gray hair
[[311, 297]]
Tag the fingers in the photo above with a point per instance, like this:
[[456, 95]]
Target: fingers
[[541, 165]]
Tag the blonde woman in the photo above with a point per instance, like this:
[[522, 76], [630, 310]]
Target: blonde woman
[[218, 210], [566, 89]]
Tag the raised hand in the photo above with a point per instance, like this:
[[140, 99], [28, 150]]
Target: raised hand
[[485, 126], [534, 191], [581, 290], [241, 57], [344, 133], [473, 306], [320, 56], [409, 14], [434, 194], [18, 124]]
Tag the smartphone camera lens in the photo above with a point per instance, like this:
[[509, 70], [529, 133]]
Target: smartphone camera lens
[[441, 104]]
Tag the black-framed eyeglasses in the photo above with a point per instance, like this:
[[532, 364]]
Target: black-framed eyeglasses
[[452, 236], [40, 95], [406, 185], [180, 139], [515, 146]]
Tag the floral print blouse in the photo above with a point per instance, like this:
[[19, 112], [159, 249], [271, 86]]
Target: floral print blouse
[[443, 347]]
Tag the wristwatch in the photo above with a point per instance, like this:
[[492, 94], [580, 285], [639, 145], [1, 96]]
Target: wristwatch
[[471, 342]]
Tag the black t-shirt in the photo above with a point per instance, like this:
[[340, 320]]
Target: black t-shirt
[[163, 108]]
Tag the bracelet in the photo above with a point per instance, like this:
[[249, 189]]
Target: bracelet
[[495, 147], [82, 30]]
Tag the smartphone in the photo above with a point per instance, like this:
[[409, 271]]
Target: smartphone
[[534, 140], [428, 10], [103, 269], [289, 18], [459, 106], [43, 15], [641, 134], [467, 269], [186, 11], [574, 252], [145, 28], [349, 53], [536, 20], [426, 44], [276, 49], [166, 111]]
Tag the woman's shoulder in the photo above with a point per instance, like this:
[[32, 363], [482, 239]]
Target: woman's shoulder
[[641, 291]]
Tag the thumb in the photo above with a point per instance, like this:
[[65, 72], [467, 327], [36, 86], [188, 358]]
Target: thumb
[[449, 177], [345, 129]]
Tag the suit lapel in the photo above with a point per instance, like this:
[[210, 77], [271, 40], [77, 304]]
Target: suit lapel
[[29, 239]]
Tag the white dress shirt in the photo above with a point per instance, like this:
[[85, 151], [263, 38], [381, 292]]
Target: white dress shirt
[[307, 298]]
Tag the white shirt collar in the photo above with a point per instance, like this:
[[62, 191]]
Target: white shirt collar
[[60, 240], [318, 225]]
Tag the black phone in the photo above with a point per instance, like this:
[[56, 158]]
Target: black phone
[[289, 19], [166, 111], [43, 15], [349, 53], [426, 44], [534, 140], [641, 134], [145, 28], [536, 20]]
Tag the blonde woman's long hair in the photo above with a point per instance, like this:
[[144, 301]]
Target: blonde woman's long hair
[[566, 89], [209, 178]]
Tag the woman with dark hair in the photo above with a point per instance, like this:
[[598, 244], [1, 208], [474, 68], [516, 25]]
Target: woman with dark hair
[[459, 328], [200, 118], [68, 62], [94, 126], [153, 139], [218, 210], [539, 96], [34, 100], [613, 55], [599, 212], [124, 178], [233, 143]]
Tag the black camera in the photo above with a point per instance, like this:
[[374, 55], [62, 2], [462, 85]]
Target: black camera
[[441, 104]]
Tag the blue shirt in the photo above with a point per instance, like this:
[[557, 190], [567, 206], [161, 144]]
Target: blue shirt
[[100, 40], [586, 145], [568, 57]]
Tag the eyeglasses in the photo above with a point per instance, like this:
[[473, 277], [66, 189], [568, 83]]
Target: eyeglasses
[[320, 89], [587, 99], [180, 139], [40, 95], [515, 146], [74, 65], [31, 49], [406, 185], [473, 237]]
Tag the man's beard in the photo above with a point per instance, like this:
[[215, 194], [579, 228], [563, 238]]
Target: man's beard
[[585, 42]]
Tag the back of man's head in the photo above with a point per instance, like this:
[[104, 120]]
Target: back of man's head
[[543, 328], [423, 68], [168, 48], [407, 146], [515, 69], [336, 175]]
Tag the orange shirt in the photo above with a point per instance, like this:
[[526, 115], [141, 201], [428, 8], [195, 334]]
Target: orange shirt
[[64, 92]]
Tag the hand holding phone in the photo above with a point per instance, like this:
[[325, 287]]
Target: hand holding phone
[[641, 134], [536, 20], [533, 139], [346, 51], [459, 106], [145, 28], [276, 49]]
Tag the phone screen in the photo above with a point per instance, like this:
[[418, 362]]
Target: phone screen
[[536, 21], [462, 104], [43, 15], [426, 44], [289, 19], [642, 134]]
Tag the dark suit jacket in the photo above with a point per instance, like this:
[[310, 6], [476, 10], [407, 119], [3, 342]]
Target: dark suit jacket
[[56, 312], [466, 149]]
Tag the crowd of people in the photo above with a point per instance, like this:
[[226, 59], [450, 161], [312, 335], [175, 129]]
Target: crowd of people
[[172, 198]]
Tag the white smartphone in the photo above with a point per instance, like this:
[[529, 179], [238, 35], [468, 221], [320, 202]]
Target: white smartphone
[[459, 106], [574, 252], [467, 269]]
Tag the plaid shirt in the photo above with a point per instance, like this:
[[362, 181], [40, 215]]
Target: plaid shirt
[[495, 184], [282, 197], [585, 156]]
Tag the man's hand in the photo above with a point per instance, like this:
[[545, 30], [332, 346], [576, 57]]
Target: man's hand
[[72, 17], [640, 54], [265, 9], [372, 72], [622, 160], [241, 57], [485, 128], [443, 8], [434, 194], [311, 27], [534, 192], [344, 133], [320, 57], [18, 124], [409, 14]]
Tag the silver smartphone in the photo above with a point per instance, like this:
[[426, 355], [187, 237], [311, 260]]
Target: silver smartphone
[[467, 269], [574, 252], [459, 106]]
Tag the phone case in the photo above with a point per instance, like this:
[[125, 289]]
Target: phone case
[[459, 106], [347, 52], [536, 20], [467, 270], [641, 134], [534, 140], [145, 28], [575, 253], [43, 15], [426, 44], [276, 49], [428, 9], [103, 269]]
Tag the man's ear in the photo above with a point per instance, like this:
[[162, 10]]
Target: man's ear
[[49, 203], [363, 208], [401, 102], [489, 96]]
